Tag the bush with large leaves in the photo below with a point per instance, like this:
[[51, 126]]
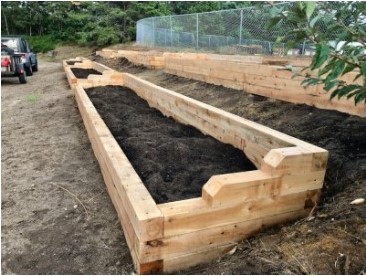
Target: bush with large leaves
[[338, 32]]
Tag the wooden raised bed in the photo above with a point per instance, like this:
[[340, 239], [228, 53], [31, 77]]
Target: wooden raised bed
[[176, 235], [150, 59], [261, 75]]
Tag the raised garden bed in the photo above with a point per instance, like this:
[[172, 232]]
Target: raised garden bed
[[173, 160], [260, 75], [169, 236]]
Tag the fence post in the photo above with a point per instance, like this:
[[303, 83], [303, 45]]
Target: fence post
[[303, 48], [241, 25], [197, 32], [153, 32], [171, 32]]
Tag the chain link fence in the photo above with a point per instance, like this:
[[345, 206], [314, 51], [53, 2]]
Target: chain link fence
[[227, 31]]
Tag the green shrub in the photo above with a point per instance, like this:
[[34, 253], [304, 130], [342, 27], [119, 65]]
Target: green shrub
[[43, 44]]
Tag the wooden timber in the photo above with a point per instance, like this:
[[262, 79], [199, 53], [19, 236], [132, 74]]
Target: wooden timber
[[176, 235], [149, 59], [261, 75]]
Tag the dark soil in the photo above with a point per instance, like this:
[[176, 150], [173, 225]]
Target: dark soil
[[173, 160], [81, 73], [343, 135], [72, 62], [129, 67]]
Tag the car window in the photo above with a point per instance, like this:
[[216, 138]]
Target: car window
[[10, 43], [25, 46]]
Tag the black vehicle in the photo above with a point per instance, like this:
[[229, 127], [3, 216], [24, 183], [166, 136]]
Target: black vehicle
[[12, 65], [21, 47]]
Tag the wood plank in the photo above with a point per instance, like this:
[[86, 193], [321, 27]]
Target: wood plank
[[228, 189], [71, 79], [181, 218], [141, 208], [208, 244], [295, 160], [100, 67], [189, 260]]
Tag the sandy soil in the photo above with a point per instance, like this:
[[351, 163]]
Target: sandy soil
[[57, 217]]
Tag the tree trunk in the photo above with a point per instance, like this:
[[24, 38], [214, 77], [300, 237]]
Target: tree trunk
[[6, 23], [30, 23]]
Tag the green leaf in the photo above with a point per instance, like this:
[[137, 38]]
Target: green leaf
[[274, 21], [313, 21], [310, 81], [327, 68], [363, 69], [274, 12], [321, 55], [330, 84], [310, 7], [336, 71], [340, 92], [360, 96], [350, 95], [348, 69]]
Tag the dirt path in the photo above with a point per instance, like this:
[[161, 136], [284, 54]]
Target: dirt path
[[48, 170]]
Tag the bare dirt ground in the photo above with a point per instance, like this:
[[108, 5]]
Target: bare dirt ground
[[57, 217]]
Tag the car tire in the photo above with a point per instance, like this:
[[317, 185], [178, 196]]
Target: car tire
[[28, 70], [35, 67], [23, 78]]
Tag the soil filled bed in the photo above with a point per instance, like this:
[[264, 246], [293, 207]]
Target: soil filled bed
[[72, 62], [341, 134], [81, 73], [173, 160]]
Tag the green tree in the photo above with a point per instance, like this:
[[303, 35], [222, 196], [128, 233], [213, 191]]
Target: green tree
[[338, 31]]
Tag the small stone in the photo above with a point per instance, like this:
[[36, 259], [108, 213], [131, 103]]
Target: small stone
[[75, 206], [358, 201]]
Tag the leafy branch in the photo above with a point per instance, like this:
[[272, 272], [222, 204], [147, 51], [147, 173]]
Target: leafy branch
[[338, 32]]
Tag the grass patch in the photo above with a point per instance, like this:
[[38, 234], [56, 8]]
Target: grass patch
[[32, 98]]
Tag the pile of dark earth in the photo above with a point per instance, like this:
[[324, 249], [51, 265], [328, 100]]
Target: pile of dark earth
[[173, 160], [81, 73]]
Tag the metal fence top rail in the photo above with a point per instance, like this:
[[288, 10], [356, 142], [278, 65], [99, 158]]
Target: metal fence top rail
[[218, 11], [241, 31]]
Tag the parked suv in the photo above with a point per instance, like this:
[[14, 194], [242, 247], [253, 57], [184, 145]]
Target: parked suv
[[21, 46]]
